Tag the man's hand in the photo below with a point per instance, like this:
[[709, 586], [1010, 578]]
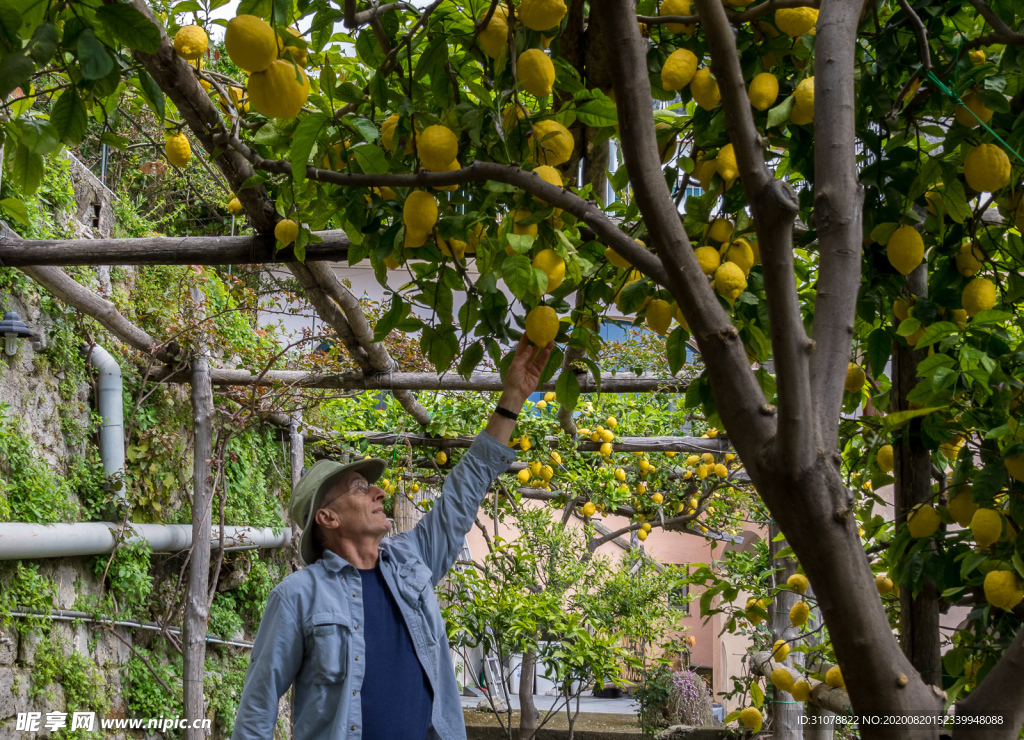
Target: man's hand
[[523, 374]]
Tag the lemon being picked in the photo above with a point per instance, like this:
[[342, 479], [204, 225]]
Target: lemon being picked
[[494, 38], [798, 583], [923, 521], [855, 378], [987, 527], [969, 259], [190, 42], [978, 296], [437, 147], [763, 91], [548, 262], [729, 281], [987, 168], [704, 88], [678, 69], [286, 230], [884, 458], [677, 7], [796, 22], [280, 91], [751, 717], [542, 326], [1003, 590], [251, 43], [540, 15], [905, 249], [726, 164], [799, 613], [659, 316], [420, 211], [536, 72], [177, 149], [553, 142], [972, 104]]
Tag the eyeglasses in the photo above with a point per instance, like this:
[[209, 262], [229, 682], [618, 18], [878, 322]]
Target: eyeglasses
[[360, 487]]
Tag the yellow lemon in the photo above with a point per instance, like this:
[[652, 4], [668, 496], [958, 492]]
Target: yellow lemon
[[548, 262], [987, 527], [782, 679], [801, 690], [799, 613], [855, 378], [441, 458], [178, 149], [677, 7], [978, 296], [540, 15], [235, 207], [884, 458], [726, 164], [280, 91], [751, 717], [437, 147], [420, 211], [606, 449], [286, 230], [796, 22], [656, 498], [678, 69], [553, 142], [763, 91], [1003, 590], [542, 325], [905, 249], [536, 72], [659, 316], [251, 43], [739, 252], [883, 583], [616, 259], [641, 534], [923, 521], [729, 281], [987, 168], [834, 678], [972, 104], [977, 56], [803, 102], [523, 476], [720, 230], [190, 42], [589, 509], [494, 38], [721, 471], [709, 259], [1015, 467], [550, 175], [780, 650], [285, 43], [962, 508], [798, 582], [969, 259], [704, 88]]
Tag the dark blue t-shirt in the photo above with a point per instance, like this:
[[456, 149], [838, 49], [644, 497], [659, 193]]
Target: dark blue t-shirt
[[396, 694]]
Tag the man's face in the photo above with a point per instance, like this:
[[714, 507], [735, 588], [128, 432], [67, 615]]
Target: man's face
[[354, 510]]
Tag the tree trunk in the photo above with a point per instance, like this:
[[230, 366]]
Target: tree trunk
[[786, 713], [819, 726], [196, 611], [528, 715], [296, 452], [919, 613]]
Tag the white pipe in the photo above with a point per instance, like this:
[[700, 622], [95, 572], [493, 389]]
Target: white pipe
[[110, 405], [30, 541]]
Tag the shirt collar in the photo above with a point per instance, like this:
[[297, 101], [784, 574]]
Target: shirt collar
[[333, 562]]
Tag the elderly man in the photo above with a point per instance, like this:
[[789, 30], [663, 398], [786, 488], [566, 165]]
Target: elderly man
[[359, 631]]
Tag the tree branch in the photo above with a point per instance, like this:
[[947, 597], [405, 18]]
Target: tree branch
[[774, 207], [1000, 690], [750, 14], [838, 218], [1002, 34], [919, 31]]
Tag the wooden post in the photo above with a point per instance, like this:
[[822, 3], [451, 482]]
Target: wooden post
[[296, 452], [196, 612], [818, 726], [786, 714]]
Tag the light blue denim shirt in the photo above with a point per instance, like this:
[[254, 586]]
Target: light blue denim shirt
[[312, 630]]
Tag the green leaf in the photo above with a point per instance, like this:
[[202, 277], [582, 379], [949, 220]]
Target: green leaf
[[935, 332], [15, 71], [520, 277], [26, 169], [305, 136], [879, 347], [953, 661], [470, 359], [991, 316], [972, 561], [390, 319], [43, 44], [595, 373], [756, 695], [433, 58], [598, 113], [16, 209], [70, 118], [908, 326], [93, 59], [379, 91], [898, 419], [955, 201], [371, 159], [567, 389], [780, 113], [130, 27], [364, 126], [881, 233], [675, 349], [10, 22], [152, 93]]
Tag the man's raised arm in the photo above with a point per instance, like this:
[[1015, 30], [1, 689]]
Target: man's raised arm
[[440, 533]]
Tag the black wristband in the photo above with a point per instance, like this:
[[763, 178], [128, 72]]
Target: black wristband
[[500, 411]]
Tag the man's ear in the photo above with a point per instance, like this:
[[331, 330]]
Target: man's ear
[[326, 519]]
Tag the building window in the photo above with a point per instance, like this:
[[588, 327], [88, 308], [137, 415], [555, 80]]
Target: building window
[[97, 208], [678, 598]]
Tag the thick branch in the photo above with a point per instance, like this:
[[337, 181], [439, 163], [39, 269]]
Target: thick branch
[[621, 444], [1002, 34], [838, 202], [1001, 689], [330, 312], [739, 399], [774, 207], [162, 250]]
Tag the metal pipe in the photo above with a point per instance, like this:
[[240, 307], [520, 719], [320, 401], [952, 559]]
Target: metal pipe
[[110, 405], [21, 541], [64, 615]]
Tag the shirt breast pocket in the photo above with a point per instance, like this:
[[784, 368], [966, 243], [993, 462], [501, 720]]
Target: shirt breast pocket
[[330, 635]]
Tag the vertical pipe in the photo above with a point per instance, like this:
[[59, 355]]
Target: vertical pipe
[[104, 153], [110, 405], [196, 608]]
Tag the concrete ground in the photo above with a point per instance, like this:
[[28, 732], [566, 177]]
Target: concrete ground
[[588, 704]]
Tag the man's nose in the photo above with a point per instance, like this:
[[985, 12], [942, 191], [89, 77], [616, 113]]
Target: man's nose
[[377, 493]]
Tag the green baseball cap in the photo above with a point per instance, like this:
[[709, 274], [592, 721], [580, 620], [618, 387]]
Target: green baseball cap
[[309, 493]]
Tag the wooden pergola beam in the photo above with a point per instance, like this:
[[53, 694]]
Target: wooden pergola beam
[[620, 444], [478, 381], [163, 250]]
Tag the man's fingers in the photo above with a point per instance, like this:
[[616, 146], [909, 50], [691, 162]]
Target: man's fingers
[[542, 357]]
